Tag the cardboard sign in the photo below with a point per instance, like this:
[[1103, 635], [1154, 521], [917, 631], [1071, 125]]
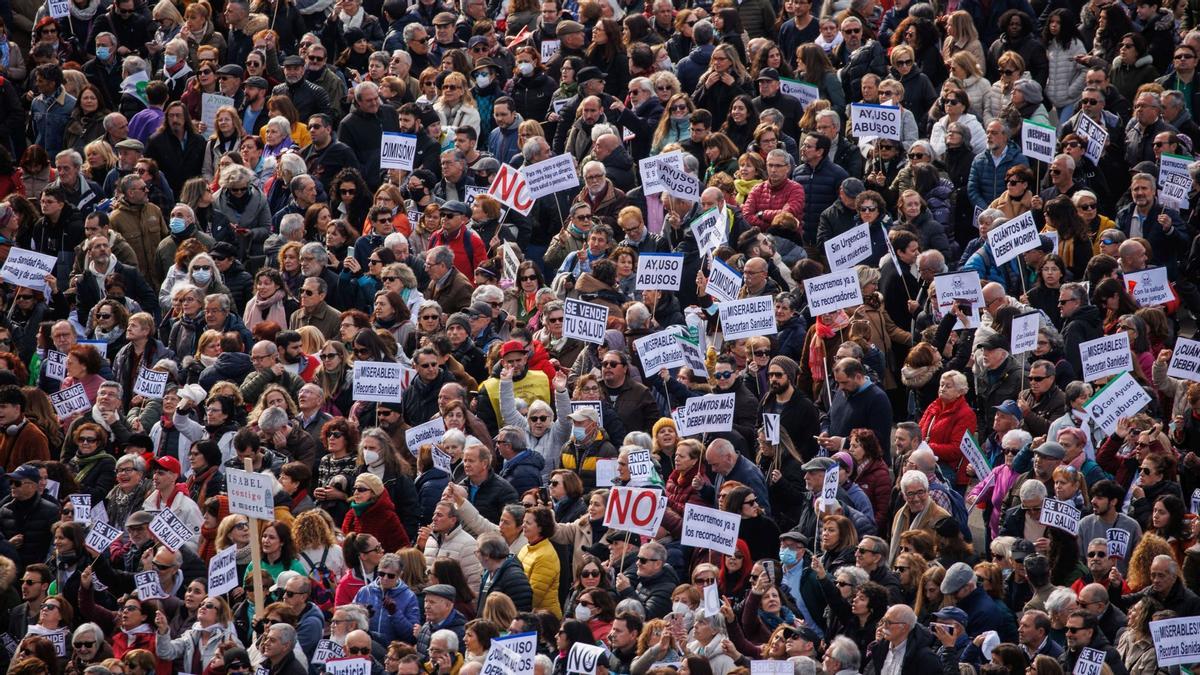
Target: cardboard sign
[[1025, 333], [584, 320], [549, 49], [150, 383], [1096, 135], [82, 503], [868, 120], [711, 529], [222, 571], [724, 282], [148, 587], [508, 188], [709, 413], [397, 151], [1174, 179], [659, 350], [28, 268], [1185, 360], [803, 92], [524, 645], [348, 667], [771, 427], [101, 536], [849, 248], [711, 600], [970, 450], [549, 176], [1118, 542], [250, 494], [709, 230], [1061, 515], [635, 509], [1150, 287], [327, 650], [641, 467], [1105, 356], [58, 9], [54, 366], [1122, 397], [659, 272], [1090, 662], [98, 514], [1014, 237], [209, 105], [69, 401], [678, 183], [583, 658], [1176, 641], [1037, 141], [474, 191], [378, 381], [648, 170], [430, 432], [749, 317], [831, 292], [170, 530]]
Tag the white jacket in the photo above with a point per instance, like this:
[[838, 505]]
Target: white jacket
[[460, 545], [184, 646], [1065, 82], [937, 135]]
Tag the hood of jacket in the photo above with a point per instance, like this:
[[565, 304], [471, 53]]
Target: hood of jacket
[[528, 458], [1088, 315], [619, 159], [593, 286], [918, 377], [233, 362]]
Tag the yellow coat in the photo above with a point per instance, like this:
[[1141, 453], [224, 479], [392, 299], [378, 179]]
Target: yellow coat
[[541, 565]]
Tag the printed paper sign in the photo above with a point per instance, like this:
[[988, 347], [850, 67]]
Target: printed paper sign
[[552, 175], [222, 571], [150, 383], [397, 151], [508, 187], [868, 120], [771, 427], [348, 667], [678, 183], [709, 413], [956, 287], [970, 450], [712, 529], [327, 650], [659, 350], [100, 346], [54, 366], [1096, 135], [1037, 141], [1175, 641], [1061, 515], [148, 587], [641, 467], [70, 401], [10, 644], [1014, 237], [849, 248], [474, 191], [692, 356], [82, 503], [724, 282], [58, 9], [635, 509], [101, 536], [98, 514], [709, 230], [171, 531], [648, 170], [584, 320], [1150, 287], [500, 661], [831, 292], [250, 494], [1025, 333], [52, 487], [1174, 179], [1105, 356], [209, 105], [583, 658], [594, 405], [1195, 501], [1185, 360], [378, 381], [606, 471], [524, 645], [803, 92], [659, 272], [1118, 542], [749, 317], [549, 49], [829, 487], [28, 268], [1122, 397], [1090, 662], [430, 432], [442, 461], [771, 668]]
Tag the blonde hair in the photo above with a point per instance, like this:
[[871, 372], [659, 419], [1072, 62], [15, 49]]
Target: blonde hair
[[165, 9], [311, 530], [455, 77], [311, 339]]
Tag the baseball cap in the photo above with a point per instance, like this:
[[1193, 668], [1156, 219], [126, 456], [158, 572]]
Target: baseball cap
[[584, 413], [767, 73], [479, 308], [1009, 407], [512, 347], [951, 614], [26, 472], [223, 250], [166, 464]]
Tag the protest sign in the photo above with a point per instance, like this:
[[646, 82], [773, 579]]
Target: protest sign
[[377, 381], [692, 355], [148, 587], [58, 637], [209, 105], [678, 183], [803, 92], [1195, 501], [70, 401], [709, 413], [708, 528], [1090, 660], [955, 287], [583, 658], [1176, 641], [150, 383], [659, 350], [584, 320], [222, 571], [59, 8], [594, 405], [549, 49], [635, 509], [1185, 360], [54, 366], [1096, 135], [709, 230], [1118, 542], [711, 601], [549, 176], [397, 151], [474, 191], [724, 282], [327, 650], [1013, 237], [524, 645], [830, 292], [606, 471], [648, 170], [509, 188], [1174, 179], [771, 427], [100, 345], [1061, 515], [1025, 333], [868, 120], [970, 450], [170, 530], [98, 514], [771, 667], [1105, 356], [250, 494], [641, 467], [1150, 287], [27, 268], [101, 536], [659, 272], [1122, 397], [82, 503], [499, 661], [348, 667], [849, 248], [829, 487], [442, 461], [430, 432], [52, 487], [748, 317], [1038, 141]]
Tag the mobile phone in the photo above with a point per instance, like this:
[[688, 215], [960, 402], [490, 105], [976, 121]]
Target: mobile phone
[[769, 569]]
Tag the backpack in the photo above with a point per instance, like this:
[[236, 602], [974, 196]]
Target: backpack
[[324, 582]]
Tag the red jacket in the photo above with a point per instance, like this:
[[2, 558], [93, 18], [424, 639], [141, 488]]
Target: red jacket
[[469, 249], [770, 201], [943, 426], [380, 520], [876, 482]]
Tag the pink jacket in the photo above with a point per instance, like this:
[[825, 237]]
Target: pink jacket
[[770, 201], [995, 492]]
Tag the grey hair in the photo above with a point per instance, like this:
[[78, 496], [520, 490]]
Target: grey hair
[[703, 32], [188, 213], [390, 561], [1061, 598], [272, 419], [454, 436], [805, 665], [923, 459], [1175, 98], [222, 299], [1172, 566], [532, 147], [442, 255], [1068, 160], [134, 64], [487, 293], [516, 510], [639, 438], [824, 114], [429, 304], [108, 35], [358, 614], [543, 661], [905, 614], [1098, 541], [1077, 291], [1033, 489], [780, 154], [289, 163], [110, 120], [139, 464], [1077, 388], [858, 576], [292, 223], [316, 250], [596, 165], [1019, 435], [637, 316], [492, 546], [235, 175], [914, 477], [642, 83], [936, 256], [364, 87], [281, 124], [401, 54], [991, 214], [691, 164], [771, 115], [633, 606], [74, 158], [514, 436], [844, 651], [447, 636], [410, 31], [1002, 546], [284, 633], [925, 145], [89, 627], [716, 621]]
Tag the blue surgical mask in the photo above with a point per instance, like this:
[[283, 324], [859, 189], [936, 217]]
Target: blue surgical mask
[[169, 60], [202, 276], [103, 53], [578, 433], [787, 556], [178, 225]]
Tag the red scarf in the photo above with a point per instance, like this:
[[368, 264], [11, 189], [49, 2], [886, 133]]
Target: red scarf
[[826, 327]]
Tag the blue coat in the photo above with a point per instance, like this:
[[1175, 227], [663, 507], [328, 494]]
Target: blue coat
[[1167, 246], [867, 408], [745, 472], [691, 67], [984, 263], [396, 624], [984, 613], [524, 471], [820, 191], [311, 625], [986, 181], [430, 485], [791, 337]]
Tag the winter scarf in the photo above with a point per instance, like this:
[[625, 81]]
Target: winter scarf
[[773, 621], [86, 463], [84, 13], [827, 326]]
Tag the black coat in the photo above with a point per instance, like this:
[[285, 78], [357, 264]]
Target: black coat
[[492, 496], [32, 519], [532, 94], [88, 291], [364, 134], [310, 99], [510, 580], [919, 656], [178, 160]]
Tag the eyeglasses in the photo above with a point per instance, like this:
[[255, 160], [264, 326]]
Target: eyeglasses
[[1097, 554], [724, 375], [528, 278], [761, 352], [306, 291], [238, 190], [843, 584], [704, 582], [917, 155], [1040, 378], [772, 374], [361, 488], [611, 364], [899, 568], [952, 101], [644, 561], [851, 31], [330, 355], [1075, 629], [106, 316], [864, 551], [868, 209], [162, 567], [359, 651], [1159, 144]]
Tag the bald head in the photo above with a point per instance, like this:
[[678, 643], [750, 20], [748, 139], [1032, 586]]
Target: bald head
[[721, 455], [605, 145]]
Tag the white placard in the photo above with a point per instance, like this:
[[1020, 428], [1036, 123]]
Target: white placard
[[1174, 179], [549, 176], [150, 383], [831, 292], [209, 105], [868, 120], [641, 467], [327, 650], [1105, 356], [1185, 360], [148, 587], [508, 187], [829, 487], [549, 49], [1150, 287], [58, 9], [584, 320], [849, 248], [659, 272], [1061, 515], [558, 104], [709, 230], [1096, 135], [474, 191], [1013, 237], [1025, 333], [54, 366], [27, 268], [1037, 141], [397, 151], [606, 471], [771, 427], [771, 668], [635, 509], [430, 432], [693, 356], [679, 183], [970, 450], [1195, 501], [749, 317], [52, 487], [378, 381], [659, 350], [348, 667], [100, 346], [594, 405], [171, 531], [648, 170], [82, 503], [1118, 542], [442, 461], [101, 536], [98, 514], [1090, 662], [803, 92], [724, 282], [70, 401], [713, 529], [1122, 397], [250, 494], [709, 413], [222, 571], [583, 658], [524, 645], [711, 602], [1175, 641], [500, 661]]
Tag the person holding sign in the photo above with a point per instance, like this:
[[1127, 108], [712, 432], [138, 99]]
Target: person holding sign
[[95, 467], [1160, 225], [200, 642]]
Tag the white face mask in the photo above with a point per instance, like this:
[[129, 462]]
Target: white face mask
[[526, 68], [483, 80], [583, 613], [681, 608], [370, 456]]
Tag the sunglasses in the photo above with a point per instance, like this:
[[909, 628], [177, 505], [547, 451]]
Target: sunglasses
[[83, 645], [723, 376], [1092, 207], [589, 574], [529, 278], [388, 575], [334, 434], [359, 651]]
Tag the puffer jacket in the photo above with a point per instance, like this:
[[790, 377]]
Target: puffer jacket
[[820, 185], [930, 232], [942, 426], [876, 484], [254, 216], [511, 580], [987, 178], [1065, 80], [380, 520], [543, 570], [582, 458], [654, 592], [183, 648], [1127, 78], [460, 545], [395, 623]]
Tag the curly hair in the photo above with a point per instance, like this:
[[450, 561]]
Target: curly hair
[[311, 530], [1150, 546]]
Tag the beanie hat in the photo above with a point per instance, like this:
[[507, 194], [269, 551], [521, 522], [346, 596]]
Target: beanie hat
[[1032, 91], [461, 320], [789, 366], [662, 423], [371, 481]]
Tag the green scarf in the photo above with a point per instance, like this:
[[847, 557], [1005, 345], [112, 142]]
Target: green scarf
[[360, 507], [86, 464]]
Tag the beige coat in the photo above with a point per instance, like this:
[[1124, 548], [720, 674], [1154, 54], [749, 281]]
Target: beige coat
[[143, 227]]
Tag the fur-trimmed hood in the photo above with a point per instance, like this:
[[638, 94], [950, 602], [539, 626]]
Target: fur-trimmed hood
[[918, 377]]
